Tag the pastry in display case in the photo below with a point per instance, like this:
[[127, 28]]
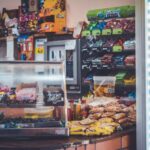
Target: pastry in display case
[[32, 99]]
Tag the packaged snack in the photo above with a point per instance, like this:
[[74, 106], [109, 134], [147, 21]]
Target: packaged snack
[[129, 26], [118, 46], [130, 80], [129, 45], [106, 61], [118, 61], [107, 129], [87, 121], [26, 92], [119, 116], [113, 124], [53, 96], [93, 131], [104, 86], [108, 114], [106, 120], [130, 60], [113, 108], [96, 110], [107, 45], [77, 129], [95, 116], [120, 77], [123, 120]]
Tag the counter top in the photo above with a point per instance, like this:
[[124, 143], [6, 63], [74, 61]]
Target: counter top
[[57, 143]]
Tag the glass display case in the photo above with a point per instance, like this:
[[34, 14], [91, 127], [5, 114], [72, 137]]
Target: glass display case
[[32, 99]]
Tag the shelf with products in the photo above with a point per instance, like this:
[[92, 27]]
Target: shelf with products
[[124, 81], [108, 46], [113, 27], [90, 67], [33, 97], [102, 51], [123, 35]]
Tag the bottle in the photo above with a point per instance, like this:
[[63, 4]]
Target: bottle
[[70, 113], [84, 112], [71, 109], [77, 110]]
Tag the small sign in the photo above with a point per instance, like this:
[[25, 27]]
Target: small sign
[[39, 50], [70, 44]]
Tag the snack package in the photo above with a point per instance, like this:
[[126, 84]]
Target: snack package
[[130, 60], [53, 96], [26, 92], [119, 116], [129, 44], [104, 86]]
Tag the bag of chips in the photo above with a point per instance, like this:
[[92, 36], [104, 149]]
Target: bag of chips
[[104, 86]]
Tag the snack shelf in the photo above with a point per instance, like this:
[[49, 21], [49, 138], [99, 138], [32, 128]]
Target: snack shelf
[[107, 19], [123, 35], [109, 68], [119, 35], [23, 123], [126, 86], [102, 51], [3, 105], [117, 85]]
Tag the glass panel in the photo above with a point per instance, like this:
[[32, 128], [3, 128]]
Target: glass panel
[[32, 95]]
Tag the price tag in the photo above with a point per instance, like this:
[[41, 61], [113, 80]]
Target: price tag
[[39, 50]]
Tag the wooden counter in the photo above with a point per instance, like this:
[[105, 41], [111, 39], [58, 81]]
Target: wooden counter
[[123, 140]]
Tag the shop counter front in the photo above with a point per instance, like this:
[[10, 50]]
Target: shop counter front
[[122, 140]]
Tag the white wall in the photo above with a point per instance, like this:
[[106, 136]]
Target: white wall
[[76, 9], [10, 4]]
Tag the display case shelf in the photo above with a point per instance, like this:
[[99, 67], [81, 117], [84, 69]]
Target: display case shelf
[[125, 68], [123, 35], [3, 105], [32, 91], [101, 51]]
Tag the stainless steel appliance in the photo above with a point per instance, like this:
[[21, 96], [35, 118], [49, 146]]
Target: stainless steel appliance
[[68, 51]]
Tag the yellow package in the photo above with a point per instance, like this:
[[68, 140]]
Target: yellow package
[[77, 133], [114, 124], [105, 120], [93, 131], [107, 130], [77, 129]]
